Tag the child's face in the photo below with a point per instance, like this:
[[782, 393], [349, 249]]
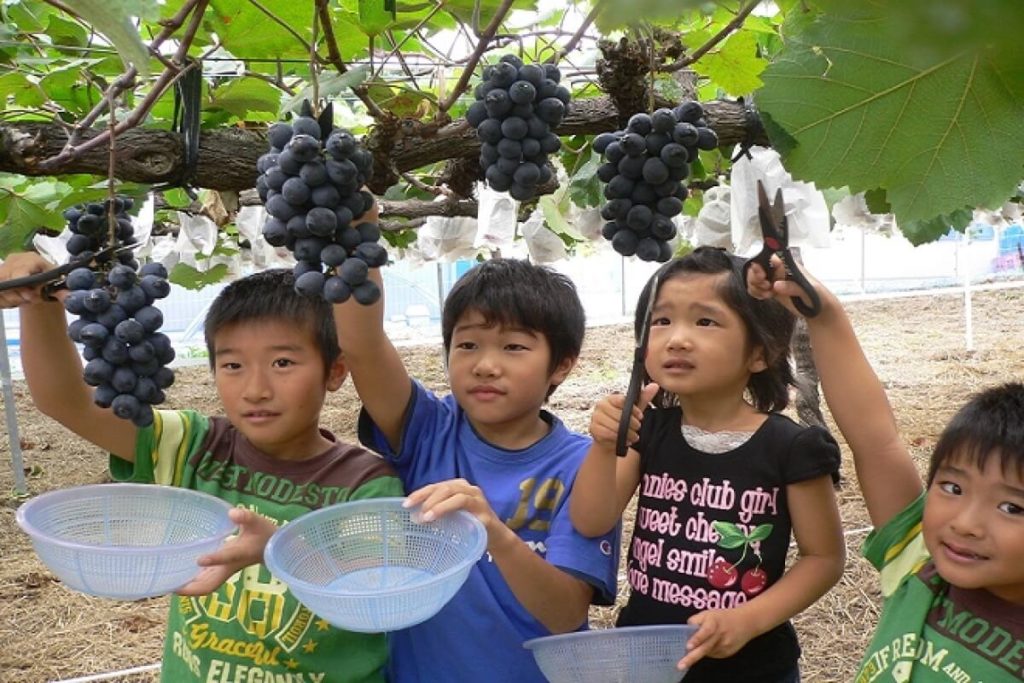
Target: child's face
[[270, 380], [500, 376], [698, 344], [974, 527]]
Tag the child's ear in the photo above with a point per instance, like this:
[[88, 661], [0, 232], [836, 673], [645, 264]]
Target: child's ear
[[757, 363], [337, 373], [562, 370]]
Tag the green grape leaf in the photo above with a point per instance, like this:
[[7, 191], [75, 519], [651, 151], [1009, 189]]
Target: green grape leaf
[[935, 130], [735, 66], [245, 30], [374, 17], [191, 278], [242, 95], [922, 231], [556, 221], [113, 18], [585, 188], [24, 92], [330, 85]]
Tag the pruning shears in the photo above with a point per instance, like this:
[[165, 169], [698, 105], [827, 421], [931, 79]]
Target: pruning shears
[[775, 235], [53, 279], [637, 374]]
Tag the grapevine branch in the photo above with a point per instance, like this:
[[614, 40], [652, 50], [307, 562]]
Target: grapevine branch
[[736, 22], [334, 58], [398, 46], [126, 79], [580, 32], [166, 79], [478, 53]]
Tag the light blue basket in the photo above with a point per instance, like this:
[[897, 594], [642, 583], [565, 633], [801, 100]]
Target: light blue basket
[[124, 541], [368, 566], [630, 654]]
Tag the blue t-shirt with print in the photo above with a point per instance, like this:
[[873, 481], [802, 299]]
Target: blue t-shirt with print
[[478, 636]]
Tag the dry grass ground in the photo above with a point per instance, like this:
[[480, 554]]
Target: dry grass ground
[[916, 345]]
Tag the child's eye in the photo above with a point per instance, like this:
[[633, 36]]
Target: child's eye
[[1011, 508], [515, 347], [705, 322], [466, 345], [283, 362], [950, 487], [658, 322], [230, 366]]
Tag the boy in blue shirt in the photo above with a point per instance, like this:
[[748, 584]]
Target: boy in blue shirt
[[512, 333]]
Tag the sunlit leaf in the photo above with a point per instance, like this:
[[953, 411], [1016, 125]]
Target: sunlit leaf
[[191, 278], [246, 31], [113, 19], [847, 106], [735, 67], [373, 17], [329, 85], [24, 92]]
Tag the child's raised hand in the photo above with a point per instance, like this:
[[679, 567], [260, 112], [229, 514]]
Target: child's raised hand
[[436, 500], [762, 286], [604, 423], [22, 264], [237, 553], [720, 633]]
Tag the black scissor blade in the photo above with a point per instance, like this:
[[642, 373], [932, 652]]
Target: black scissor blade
[[637, 373]]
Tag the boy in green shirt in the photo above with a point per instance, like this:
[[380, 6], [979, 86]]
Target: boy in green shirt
[[951, 554], [274, 355]]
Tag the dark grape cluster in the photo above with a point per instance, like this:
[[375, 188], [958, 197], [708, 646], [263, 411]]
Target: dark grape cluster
[[310, 184], [117, 323], [645, 166], [95, 226], [516, 109]]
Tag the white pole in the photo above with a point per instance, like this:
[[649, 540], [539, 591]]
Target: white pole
[[863, 256], [11, 415], [968, 311]]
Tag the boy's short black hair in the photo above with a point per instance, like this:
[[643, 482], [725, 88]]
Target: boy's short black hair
[[517, 293], [990, 425], [271, 295], [769, 324]]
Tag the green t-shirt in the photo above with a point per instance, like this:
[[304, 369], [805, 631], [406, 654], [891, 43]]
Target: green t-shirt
[[930, 631], [252, 628]]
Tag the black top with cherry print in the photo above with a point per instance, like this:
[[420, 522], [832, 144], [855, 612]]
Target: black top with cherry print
[[712, 531]]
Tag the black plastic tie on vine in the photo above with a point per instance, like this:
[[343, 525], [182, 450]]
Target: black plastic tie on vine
[[188, 104], [753, 127]]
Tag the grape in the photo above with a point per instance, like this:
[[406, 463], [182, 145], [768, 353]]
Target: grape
[[314, 198], [517, 106], [117, 323], [644, 167]]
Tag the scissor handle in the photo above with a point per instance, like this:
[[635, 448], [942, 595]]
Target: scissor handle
[[632, 393], [36, 279], [54, 274], [793, 272]]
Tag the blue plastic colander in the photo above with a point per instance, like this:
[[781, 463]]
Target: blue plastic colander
[[124, 541], [631, 654], [367, 566]]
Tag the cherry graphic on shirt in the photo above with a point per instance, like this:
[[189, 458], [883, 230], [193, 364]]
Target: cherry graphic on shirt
[[722, 574], [754, 581]]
